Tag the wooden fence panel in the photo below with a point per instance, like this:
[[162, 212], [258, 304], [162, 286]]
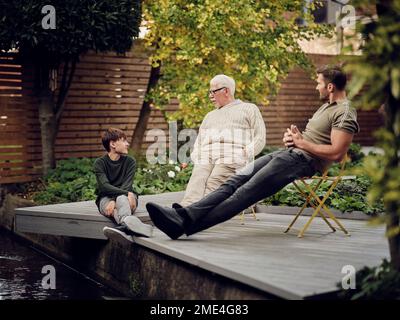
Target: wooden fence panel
[[17, 124]]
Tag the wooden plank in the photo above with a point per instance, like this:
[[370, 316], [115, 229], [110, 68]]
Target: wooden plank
[[75, 228], [18, 164], [9, 67], [90, 127], [101, 80], [109, 67], [136, 52], [79, 87], [114, 60], [132, 112], [77, 154], [105, 94], [112, 74], [104, 107], [4, 173], [18, 179], [94, 100], [77, 141], [104, 120], [19, 156], [72, 148], [95, 134]]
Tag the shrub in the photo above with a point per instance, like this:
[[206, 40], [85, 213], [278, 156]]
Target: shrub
[[381, 282], [73, 180], [156, 178]]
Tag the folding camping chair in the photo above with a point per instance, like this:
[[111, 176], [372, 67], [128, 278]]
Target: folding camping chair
[[310, 194]]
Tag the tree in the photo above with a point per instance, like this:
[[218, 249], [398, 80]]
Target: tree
[[379, 68], [53, 36], [255, 42]]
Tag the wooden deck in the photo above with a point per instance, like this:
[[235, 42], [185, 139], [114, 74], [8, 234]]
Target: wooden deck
[[261, 255], [257, 254], [78, 219]]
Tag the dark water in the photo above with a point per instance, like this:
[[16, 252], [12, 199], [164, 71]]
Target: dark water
[[21, 275]]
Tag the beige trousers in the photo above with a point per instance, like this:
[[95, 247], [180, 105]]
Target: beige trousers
[[206, 178]]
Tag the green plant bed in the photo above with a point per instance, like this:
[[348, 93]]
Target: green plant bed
[[74, 180]]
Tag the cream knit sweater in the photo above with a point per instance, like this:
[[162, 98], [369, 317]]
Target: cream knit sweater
[[232, 134]]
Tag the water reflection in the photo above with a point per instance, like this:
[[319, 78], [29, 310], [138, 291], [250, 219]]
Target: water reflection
[[21, 275]]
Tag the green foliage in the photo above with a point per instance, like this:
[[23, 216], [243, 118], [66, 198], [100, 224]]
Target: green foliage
[[377, 283], [153, 179], [74, 180], [379, 65], [255, 42], [81, 25]]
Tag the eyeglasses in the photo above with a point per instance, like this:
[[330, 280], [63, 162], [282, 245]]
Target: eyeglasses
[[212, 92]]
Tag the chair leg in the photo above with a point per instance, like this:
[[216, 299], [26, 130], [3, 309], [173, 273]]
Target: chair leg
[[315, 205], [323, 216], [242, 217], [332, 216], [308, 200], [316, 211], [318, 204], [322, 204], [253, 211], [296, 217]]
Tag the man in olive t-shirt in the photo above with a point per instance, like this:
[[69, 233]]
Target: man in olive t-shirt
[[115, 197], [326, 138]]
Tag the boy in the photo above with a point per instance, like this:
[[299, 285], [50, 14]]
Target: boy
[[115, 197]]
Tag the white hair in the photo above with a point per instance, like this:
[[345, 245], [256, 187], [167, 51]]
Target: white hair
[[224, 81]]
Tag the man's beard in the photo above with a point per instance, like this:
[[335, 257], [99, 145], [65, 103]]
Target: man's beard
[[323, 97]]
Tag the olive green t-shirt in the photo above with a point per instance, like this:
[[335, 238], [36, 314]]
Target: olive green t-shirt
[[335, 115]]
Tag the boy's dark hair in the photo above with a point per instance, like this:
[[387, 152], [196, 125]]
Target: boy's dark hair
[[334, 75], [112, 134]]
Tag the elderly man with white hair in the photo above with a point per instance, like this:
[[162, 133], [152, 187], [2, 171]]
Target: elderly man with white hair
[[229, 137]]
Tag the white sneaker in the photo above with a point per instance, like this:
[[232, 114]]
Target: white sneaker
[[117, 235], [137, 227]]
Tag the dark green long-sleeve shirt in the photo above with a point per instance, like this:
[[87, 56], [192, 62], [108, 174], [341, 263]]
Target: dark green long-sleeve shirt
[[114, 178]]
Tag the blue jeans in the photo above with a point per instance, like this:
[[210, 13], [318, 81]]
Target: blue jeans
[[270, 173]]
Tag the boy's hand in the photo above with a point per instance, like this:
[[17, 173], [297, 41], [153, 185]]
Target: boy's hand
[[109, 210], [132, 200]]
